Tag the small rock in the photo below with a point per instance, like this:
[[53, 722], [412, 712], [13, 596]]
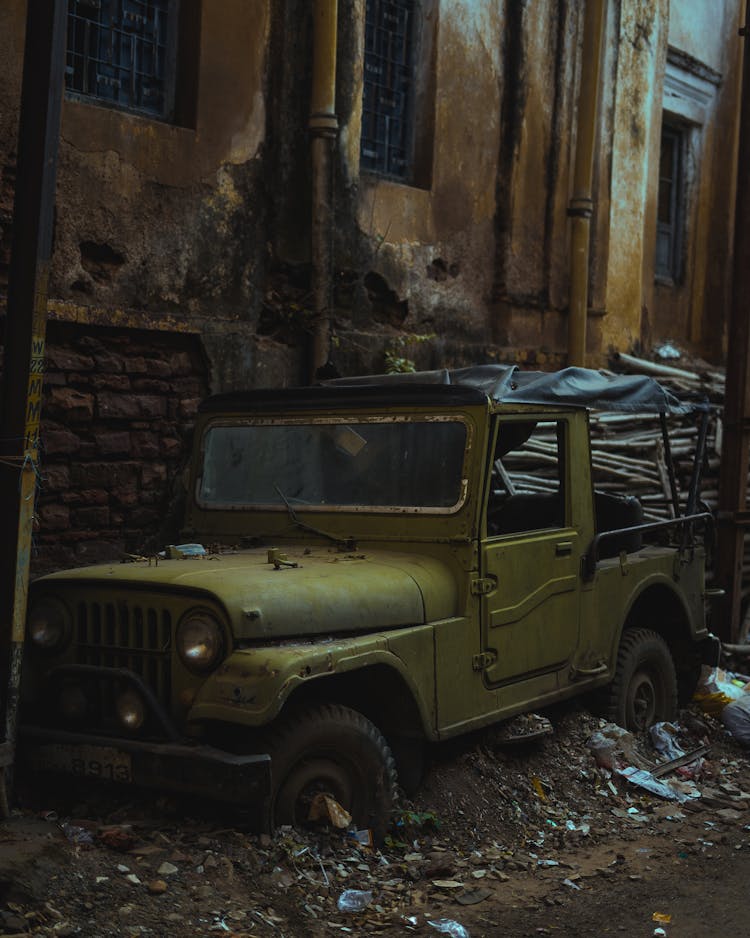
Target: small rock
[[156, 887], [63, 929], [729, 814], [132, 878], [447, 884], [167, 869]]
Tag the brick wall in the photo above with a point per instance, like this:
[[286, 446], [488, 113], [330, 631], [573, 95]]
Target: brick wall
[[116, 425]]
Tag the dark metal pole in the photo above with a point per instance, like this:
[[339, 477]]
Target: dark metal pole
[[732, 518], [20, 405]]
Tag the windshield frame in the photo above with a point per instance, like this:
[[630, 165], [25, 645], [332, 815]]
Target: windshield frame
[[345, 420]]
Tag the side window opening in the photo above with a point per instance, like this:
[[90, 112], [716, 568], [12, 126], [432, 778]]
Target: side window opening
[[528, 491]]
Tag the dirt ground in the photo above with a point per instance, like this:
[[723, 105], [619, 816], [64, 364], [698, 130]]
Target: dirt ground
[[516, 840]]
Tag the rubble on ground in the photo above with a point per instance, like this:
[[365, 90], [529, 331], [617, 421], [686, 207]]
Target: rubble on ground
[[488, 813]]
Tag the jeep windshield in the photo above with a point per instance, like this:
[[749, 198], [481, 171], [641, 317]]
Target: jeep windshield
[[377, 464]]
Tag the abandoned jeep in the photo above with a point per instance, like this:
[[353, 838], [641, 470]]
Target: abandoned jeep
[[403, 559]]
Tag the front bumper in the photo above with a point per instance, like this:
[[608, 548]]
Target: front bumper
[[171, 766]]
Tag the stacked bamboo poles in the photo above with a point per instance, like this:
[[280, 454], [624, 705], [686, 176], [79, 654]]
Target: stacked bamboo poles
[[627, 450]]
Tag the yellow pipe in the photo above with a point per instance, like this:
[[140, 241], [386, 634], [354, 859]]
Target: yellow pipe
[[581, 203], [323, 126]]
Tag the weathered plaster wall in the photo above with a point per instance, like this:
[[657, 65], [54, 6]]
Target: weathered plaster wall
[[692, 309], [476, 252], [700, 29], [157, 223], [642, 34]]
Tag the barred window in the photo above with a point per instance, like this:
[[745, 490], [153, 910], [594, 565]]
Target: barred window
[[671, 209], [123, 53], [389, 81]]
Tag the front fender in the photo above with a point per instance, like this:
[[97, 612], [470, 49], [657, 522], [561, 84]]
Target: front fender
[[252, 685]]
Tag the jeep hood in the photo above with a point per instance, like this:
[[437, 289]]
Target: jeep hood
[[326, 592]]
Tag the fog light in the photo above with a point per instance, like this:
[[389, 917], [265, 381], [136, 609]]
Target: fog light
[[74, 704], [131, 710]]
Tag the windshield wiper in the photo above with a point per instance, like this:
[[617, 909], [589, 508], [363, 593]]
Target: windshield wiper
[[340, 542]]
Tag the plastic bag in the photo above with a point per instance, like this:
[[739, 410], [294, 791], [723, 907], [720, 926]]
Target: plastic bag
[[354, 900], [611, 745], [716, 689], [736, 717], [664, 738], [448, 927]]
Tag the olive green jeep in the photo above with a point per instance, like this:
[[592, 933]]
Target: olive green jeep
[[376, 563]]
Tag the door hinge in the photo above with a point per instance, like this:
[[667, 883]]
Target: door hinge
[[483, 585], [484, 660]]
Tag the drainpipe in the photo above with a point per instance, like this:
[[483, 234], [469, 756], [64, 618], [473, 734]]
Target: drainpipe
[[323, 127], [581, 204]]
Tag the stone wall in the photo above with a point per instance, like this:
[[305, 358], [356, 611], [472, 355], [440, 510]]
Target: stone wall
[[118, 412]]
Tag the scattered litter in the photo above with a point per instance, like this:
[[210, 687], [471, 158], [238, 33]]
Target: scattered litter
[[524, 728], [354, 900], [674, 791], [538, 788], [661, 917], [611, 746], [717, 688], [77, 835], [363, 837], [736, 717], [180, 551], [448, 927], [570, 884], [667, 351], [325, 808], [663, 736]]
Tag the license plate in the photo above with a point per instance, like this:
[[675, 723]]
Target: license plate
[[84, 761]]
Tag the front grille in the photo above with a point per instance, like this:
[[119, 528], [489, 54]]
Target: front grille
[[122, 635]]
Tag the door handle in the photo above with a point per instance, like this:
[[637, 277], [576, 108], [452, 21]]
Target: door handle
[[564, 549]]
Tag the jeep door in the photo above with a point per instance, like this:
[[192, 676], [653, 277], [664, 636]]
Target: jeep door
[[530, 554]]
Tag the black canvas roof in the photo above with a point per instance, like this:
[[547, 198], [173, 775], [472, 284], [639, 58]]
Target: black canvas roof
[[572, 387], [506, 384]]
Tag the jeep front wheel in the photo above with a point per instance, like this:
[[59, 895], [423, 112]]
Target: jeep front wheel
[[335, 751], [644, 690]]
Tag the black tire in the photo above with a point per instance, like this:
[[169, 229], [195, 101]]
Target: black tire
[[644, 690], [335, 750]]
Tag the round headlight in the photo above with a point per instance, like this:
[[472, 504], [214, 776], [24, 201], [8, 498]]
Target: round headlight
[[131, 710], [199, 641], [48, 625]]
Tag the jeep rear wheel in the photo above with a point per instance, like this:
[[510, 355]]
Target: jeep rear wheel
[[644, 690], [334, 751]]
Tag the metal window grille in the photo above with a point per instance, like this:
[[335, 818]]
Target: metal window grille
[[122, 53], [388, 88], [670, 209]]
